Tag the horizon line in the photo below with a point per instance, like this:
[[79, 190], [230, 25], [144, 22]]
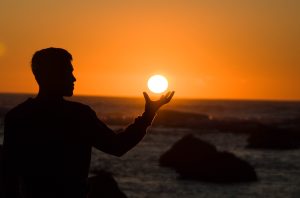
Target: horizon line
[[178, 98]]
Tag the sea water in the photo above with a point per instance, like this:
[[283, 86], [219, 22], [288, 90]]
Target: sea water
[[138, 172]]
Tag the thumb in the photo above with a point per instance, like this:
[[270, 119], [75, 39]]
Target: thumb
[[146, 96]]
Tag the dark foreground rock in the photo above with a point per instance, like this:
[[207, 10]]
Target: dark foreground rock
[[274, 138], [101, 185], [193, 158], [104, 185]]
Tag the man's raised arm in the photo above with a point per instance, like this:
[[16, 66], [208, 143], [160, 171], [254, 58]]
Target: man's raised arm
[[106, 140]]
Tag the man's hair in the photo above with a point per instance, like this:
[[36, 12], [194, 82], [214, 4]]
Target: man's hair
[[49, 61]]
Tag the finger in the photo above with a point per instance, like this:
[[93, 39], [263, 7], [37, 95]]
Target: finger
[[161, 97], [164, 99], [167, 95], [170, 96], [146, 96]]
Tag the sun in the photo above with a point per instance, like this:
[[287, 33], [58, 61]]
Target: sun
[[157, 83]]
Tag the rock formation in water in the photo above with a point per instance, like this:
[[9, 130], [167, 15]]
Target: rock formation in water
[[193, 158]]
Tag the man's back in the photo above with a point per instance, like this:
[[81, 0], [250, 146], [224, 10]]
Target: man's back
[[48, 147]]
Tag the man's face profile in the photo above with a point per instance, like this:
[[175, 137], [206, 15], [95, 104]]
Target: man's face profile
[[61, 81], [67, 79]]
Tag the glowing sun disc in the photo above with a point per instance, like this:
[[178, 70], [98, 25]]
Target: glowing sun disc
[[157, 83]]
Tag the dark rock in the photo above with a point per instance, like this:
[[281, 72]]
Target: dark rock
[[193, 158], [104, 185], [275, 138], [101, 185], [170, 118], [185, 150]]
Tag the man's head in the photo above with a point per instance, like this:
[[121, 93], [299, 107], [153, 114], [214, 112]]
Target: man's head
[[52, 69]]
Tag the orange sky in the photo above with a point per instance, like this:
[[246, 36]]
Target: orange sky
[[232, 49]]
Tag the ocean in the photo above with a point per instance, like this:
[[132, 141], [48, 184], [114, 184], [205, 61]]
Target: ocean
[[138, 172]]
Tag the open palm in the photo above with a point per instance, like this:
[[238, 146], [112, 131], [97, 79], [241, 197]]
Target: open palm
[[153, 106]]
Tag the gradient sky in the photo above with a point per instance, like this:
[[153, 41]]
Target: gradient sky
[[233, 49]]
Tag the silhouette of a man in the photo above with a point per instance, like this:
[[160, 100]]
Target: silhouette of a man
[[48, 140]]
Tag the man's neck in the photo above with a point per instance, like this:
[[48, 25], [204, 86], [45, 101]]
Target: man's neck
[[48, 96]]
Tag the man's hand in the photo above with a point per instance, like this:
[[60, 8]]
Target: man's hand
[[151, 107]]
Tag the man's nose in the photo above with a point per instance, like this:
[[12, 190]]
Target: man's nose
[[73, 78]]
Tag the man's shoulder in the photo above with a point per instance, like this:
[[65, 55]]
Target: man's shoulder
[[28, 105], [19, 108], [32, 107], [82, 111]]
